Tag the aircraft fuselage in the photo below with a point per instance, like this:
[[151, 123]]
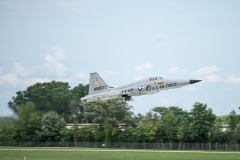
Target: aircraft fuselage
[[142, 87]]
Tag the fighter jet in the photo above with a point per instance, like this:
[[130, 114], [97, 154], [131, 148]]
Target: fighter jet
[[99, 90]]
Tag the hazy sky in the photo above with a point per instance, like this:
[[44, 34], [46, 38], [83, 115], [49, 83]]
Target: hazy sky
[[123, 41]]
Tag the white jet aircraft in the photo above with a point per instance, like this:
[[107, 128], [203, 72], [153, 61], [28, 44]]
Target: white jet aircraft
[[99, 90]]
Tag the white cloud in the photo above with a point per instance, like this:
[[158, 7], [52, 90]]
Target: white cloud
[[21, 75], [53, 63], [80, 75], [212, 78], [18, 69], [60, 54], [0, 69], [143, 67], [208, 73], [175, 70], [234, 78], [9, 78]]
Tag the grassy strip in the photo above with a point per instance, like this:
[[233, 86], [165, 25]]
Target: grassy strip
[[116, 155]]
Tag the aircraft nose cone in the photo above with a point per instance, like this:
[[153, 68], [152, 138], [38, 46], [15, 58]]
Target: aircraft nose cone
[[194, 81]]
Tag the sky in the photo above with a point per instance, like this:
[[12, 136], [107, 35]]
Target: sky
[[124, 41]]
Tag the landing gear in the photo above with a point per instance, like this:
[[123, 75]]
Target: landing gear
[[127, 98]]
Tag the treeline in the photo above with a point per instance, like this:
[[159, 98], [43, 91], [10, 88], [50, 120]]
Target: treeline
[[43, 110]]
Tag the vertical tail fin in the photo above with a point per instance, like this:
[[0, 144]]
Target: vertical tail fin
[[96, 84]]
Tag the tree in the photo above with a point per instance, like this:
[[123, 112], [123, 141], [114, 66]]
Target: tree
[[46, 96], [66, 135], [108, 115], [182, 118], [6, 121], [184, 131], [178, 112], [52, 124], [79, 91], [217, 135], [147, 127], [233, 121], [86, 133], [170, 124], [110, 132], [114, 111], [25, 125], [51, 96], [138, 117], [21, 130], [28, 111], [6, 133], [202, 120], [128, 135]]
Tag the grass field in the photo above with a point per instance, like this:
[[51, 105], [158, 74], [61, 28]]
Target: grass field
[[87, 154]]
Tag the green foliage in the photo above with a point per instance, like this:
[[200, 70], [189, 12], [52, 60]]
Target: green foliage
[[147, 127], [178, 128], [45, 95], [52, 124], [114, 112], [109, 114], [202, 120], [138, 117], [6, 121], [79, 91], [178, 112], [184, 130], [28, 111], [109, 132], [67, 135], [233, 127], [221, 119], [169, 122], [48, 96], [232, 120], [128, 135], [25, 127], [217, 135], [7, 133], [98, 134], [86, 133], [21, 130]]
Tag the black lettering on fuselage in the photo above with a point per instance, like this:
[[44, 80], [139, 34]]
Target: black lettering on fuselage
[[160, 87], [100, 88], [171, 84]]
